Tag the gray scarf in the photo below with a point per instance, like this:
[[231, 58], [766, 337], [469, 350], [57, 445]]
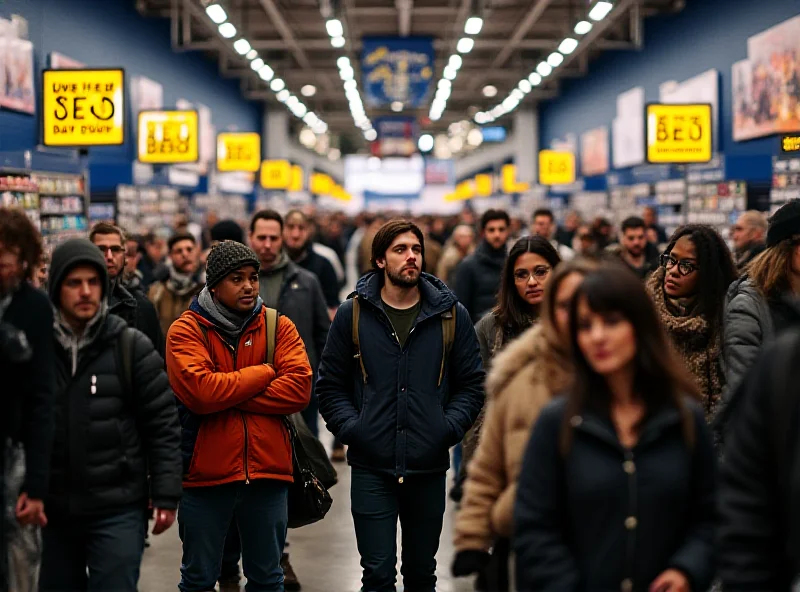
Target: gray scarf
[[228, 321], [73, 343], [179, 283]]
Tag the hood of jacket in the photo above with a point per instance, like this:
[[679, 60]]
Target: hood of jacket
[[436, 297], [101, 328], [489, 256]]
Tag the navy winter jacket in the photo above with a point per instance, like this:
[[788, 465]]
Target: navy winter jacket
[[400, 422]]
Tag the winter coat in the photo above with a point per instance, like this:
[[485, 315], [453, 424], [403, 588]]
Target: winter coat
[[609, 518], [26, 405], [759, 500], [478, 280], [398, 421], [692, 338], [107, 440], [322, 269], [448, 264], [169, 303], [524, 378], [231, 402], [136, 310]]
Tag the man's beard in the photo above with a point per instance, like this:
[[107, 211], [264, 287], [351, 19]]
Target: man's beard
[[400, 280]]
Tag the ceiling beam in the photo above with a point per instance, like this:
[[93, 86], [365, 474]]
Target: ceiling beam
[[533, 15], [405, 10]]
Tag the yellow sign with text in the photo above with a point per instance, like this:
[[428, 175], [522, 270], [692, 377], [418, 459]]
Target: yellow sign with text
[[296, 184], [483, 185], [556, 168], [168, 137], [790, 144], [237, 152], [276, 174], [83, 108], [321, 184], [679, 133], [508, 176]]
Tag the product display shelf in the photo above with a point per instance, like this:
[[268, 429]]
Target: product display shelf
[[143, 209], [62, 206], [590, 204], [716, 204], [785, 182], [19, 190], [224, 205], [670, 196], [627, 200]]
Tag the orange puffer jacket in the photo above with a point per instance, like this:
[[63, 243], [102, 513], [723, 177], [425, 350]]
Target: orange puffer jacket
[[231, 402]]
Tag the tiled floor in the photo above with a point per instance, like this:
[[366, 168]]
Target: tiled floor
[[324, 555]]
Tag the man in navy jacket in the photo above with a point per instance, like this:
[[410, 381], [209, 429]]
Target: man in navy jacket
[[400, 401]]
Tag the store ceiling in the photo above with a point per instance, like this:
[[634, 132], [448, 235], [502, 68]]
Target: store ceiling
[[291, 37]]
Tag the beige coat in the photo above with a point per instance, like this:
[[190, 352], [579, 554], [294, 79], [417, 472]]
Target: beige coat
[[524, 378]]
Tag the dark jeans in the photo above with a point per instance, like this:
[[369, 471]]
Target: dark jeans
[[377, 501], [204, 519], [110, 547]]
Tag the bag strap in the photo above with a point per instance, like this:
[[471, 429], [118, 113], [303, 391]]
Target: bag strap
[[448, 336], [124, 358], [356, 343], [272, 333]]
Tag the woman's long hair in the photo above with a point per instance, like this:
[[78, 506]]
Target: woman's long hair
[[716, 268], [512, 312], [771, 269], [660, 378]]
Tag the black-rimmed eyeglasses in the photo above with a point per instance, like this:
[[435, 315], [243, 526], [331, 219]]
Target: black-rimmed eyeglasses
[[684, 267]]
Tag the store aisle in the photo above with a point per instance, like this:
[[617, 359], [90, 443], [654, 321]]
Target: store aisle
[[323, 555]]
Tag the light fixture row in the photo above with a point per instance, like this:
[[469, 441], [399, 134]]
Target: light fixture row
[[242, 46], [544, 69]]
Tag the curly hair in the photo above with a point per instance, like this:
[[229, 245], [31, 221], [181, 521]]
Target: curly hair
[[18, 232]]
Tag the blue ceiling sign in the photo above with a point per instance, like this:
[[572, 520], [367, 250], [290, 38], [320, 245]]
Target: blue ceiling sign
[[397, 69]]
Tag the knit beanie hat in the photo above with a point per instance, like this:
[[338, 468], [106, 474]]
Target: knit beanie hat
[[784, 223], [69, 254], [226, 257], [227, 230]]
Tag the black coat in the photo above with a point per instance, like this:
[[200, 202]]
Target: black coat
[[28, 392], [138, 312], [478, 279], [323, 270], [573, 526], [759, 500], [400, 422], [106, 441]]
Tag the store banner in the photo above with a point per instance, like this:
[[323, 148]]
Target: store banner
[[397, 69], [276, 174], [168, 137], [397, 136], [239, 152], [556, 168], [83, 108], [594, 152], [16, 70], [678, 134]]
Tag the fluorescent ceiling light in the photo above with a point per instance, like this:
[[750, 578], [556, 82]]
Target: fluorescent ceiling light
[[583, 27], [347, 73], [535, 79], [227, 30], [455, 61], [397, 106], [443, 94], [480, 118], [352, 94], [277, 85], [600, 10], [292, 101], [465, 45], [309, 90], [337, 42], [425, 143], [449, 73], [510, 104], [555, 59], [489, 91], [266, 73], [435, 116], [517, 94], [216, 13], [321, 128], [568, 46], [334, 28], [299, 110], [242, 46], [343, 62], [444, 83], [310, 118], [498, 111], [257, 64], [438, 105], [370, 135], [350, 85], [474, 137], [544, 69], [283, 95], [252, 54], [473, 25], [524, 86]]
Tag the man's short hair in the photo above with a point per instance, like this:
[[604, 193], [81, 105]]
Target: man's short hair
[[265, 215], [296, 212], [108, 228], [386, 235], [18, 232], [492, 215], [544, 212], [632, 222], [180, 236]]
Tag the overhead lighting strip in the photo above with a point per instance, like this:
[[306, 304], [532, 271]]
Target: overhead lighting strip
[[547, 66], [227, 30]]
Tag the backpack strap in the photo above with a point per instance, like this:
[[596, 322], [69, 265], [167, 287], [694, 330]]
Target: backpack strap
[[124, 359], [356, 344], [448, 336], [272, 332]]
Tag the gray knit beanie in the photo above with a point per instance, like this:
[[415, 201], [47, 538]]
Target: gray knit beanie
[[226, 257], [69, 254]]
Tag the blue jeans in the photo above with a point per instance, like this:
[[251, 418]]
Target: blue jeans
[[377, 501], [110, 547], [204, 518]]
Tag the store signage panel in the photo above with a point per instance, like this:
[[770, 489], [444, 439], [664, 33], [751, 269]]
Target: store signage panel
[[790, 144], [321, 184], [397, 69], [296, 183], [239, 152], [509, 183], [276, 174], [83, 108], [168, 137], [556, 168], [679, 133]]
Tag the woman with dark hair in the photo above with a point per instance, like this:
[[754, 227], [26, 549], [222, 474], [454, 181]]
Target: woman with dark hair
[[617, 485], [689, 292], [525, 377]]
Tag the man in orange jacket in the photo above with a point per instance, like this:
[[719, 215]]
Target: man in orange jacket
[[237, 453]]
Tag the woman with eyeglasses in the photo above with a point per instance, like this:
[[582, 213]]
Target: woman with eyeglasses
[[524, 378], [617, 485], [689, 293]]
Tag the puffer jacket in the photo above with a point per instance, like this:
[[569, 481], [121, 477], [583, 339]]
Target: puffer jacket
[[478, 279], [135, 309], [107, 441], [232, 403], [398, 421], [524, 378]]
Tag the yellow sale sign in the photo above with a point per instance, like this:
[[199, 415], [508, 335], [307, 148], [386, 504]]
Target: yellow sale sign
[[168, 137], [83, 107], [321, 184], [679, 133], [556, 168], [508, 176], [238, 152], [296, 183], [276, 174]]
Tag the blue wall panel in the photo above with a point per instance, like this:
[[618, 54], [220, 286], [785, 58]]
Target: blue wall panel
[[706, 34], [111, 33]]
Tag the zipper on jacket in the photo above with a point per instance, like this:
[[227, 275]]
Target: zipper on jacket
[[235, 351]]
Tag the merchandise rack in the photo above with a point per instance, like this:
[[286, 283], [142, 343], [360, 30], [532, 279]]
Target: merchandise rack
[[670, 196], [785, 182], [141, 209]]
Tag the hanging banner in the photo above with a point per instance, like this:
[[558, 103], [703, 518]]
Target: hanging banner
[[296, 183], [276, 174], [168, 137], [238, 152], [397, 69], [320, 184], [397, 136], [556, 168], [83, 108], [678, 133]]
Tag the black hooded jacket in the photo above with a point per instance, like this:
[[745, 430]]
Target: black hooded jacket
[[138, 312], [478, 279]]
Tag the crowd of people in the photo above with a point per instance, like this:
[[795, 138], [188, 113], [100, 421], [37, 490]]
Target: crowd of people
[[618, 409]]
